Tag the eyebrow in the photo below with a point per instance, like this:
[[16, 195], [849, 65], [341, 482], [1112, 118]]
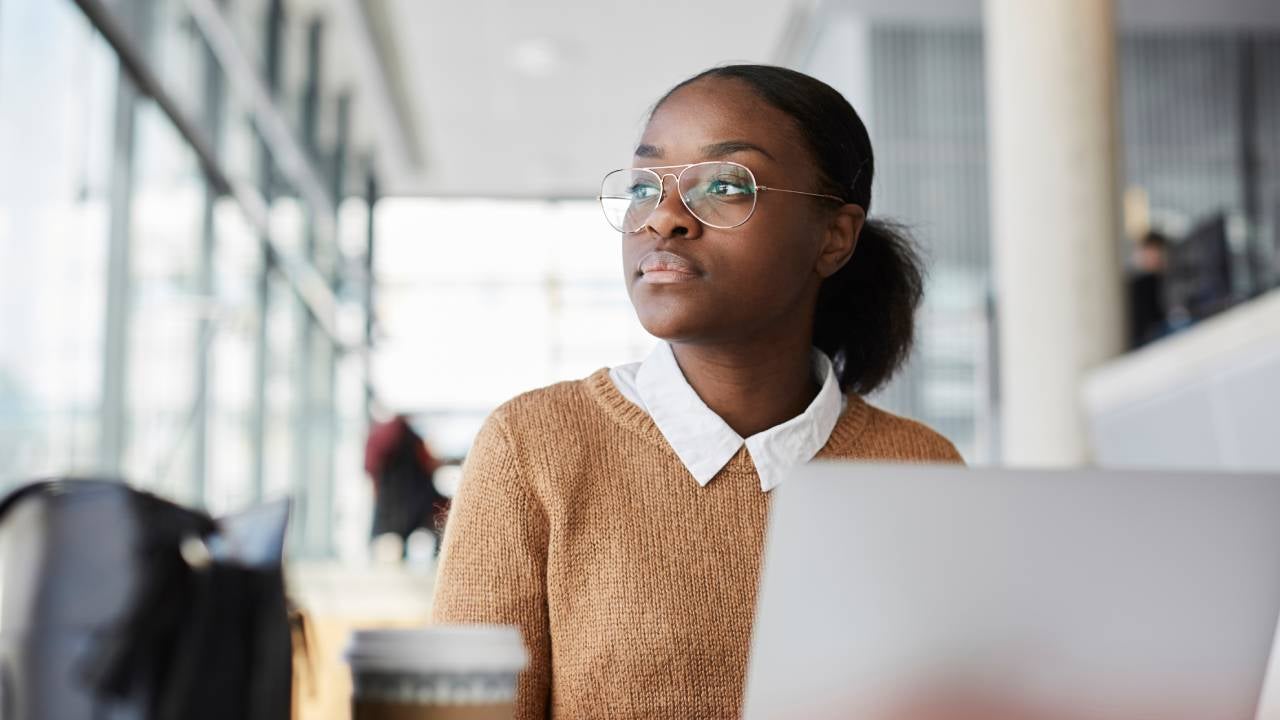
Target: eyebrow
[[648, 151], [729, 147], [726, 147]]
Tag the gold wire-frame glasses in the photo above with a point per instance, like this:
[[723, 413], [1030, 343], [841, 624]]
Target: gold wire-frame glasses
[[719, 193]]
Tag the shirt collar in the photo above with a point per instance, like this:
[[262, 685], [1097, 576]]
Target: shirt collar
[[705, 443]]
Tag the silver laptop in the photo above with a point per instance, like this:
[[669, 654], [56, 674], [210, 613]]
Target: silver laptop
[[917, 591]]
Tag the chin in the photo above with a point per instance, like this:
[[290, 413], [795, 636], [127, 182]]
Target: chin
[[670, 323], [681, 312]]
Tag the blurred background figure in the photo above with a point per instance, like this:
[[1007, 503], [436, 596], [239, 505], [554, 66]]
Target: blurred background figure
[[1147, 320], [405, 498]]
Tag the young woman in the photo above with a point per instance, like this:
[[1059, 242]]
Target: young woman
[[619, 520]]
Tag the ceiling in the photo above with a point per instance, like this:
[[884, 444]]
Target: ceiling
[[1135, 14], [511, 98], [537, 99]]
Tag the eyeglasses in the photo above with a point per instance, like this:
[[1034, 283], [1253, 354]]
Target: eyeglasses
[[719, 194]]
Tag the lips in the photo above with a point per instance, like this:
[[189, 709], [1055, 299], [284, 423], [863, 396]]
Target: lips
[[666, 264]]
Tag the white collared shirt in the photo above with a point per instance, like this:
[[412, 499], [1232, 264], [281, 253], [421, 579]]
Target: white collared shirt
[[704, 442]]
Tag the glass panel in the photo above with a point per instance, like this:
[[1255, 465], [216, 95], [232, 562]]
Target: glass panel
[[177, 54], [237, 265], [281, 389], [57, 95], [165, 308]]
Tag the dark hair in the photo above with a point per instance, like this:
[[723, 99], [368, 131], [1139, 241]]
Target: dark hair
[[865, 317], [1155, 239]]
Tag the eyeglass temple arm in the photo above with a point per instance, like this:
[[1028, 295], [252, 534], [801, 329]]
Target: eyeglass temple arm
[[800, 192]]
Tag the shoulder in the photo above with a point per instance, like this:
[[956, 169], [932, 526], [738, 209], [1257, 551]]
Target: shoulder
[[525, 427], [896, 437], [546, 419], [548, 408], [539, 438]]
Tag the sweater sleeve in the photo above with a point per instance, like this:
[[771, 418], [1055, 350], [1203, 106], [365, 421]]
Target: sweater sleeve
[[494, 557]]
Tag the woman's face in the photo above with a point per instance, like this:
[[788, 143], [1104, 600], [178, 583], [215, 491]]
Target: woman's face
[[692, 283]]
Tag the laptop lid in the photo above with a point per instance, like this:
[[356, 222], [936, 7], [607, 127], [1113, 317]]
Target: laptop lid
[[1095, 594]]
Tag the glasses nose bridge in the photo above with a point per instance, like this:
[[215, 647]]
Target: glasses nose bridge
[[662, 183], [662, 176]]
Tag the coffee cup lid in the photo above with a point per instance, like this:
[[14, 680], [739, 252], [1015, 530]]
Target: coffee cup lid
[[439, 648]]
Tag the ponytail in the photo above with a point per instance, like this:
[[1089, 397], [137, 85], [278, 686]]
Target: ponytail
[[865, 317]]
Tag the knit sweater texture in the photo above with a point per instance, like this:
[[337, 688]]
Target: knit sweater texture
[[633, 586]]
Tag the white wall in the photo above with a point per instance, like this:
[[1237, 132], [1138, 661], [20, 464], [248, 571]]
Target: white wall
[[1206, 398]]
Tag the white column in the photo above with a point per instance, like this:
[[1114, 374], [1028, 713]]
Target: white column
[[1051, 101]]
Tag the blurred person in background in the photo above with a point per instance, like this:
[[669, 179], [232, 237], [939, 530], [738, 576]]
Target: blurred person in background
[[619, 520], [402, 470], [1148, 317]]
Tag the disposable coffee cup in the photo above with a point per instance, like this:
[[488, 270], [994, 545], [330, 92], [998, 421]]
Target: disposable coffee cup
[[443, 672]]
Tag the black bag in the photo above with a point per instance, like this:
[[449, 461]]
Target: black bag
[[117, 605]]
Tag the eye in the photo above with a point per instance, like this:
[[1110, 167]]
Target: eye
[[728, 186], [642, 190]]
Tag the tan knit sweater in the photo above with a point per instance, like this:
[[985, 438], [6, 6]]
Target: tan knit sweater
[[634, 587]]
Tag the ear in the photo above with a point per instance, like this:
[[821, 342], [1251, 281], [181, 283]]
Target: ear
[[840, 239]]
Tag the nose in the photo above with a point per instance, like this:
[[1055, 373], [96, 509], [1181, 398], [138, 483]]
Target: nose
[[671, 218]]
